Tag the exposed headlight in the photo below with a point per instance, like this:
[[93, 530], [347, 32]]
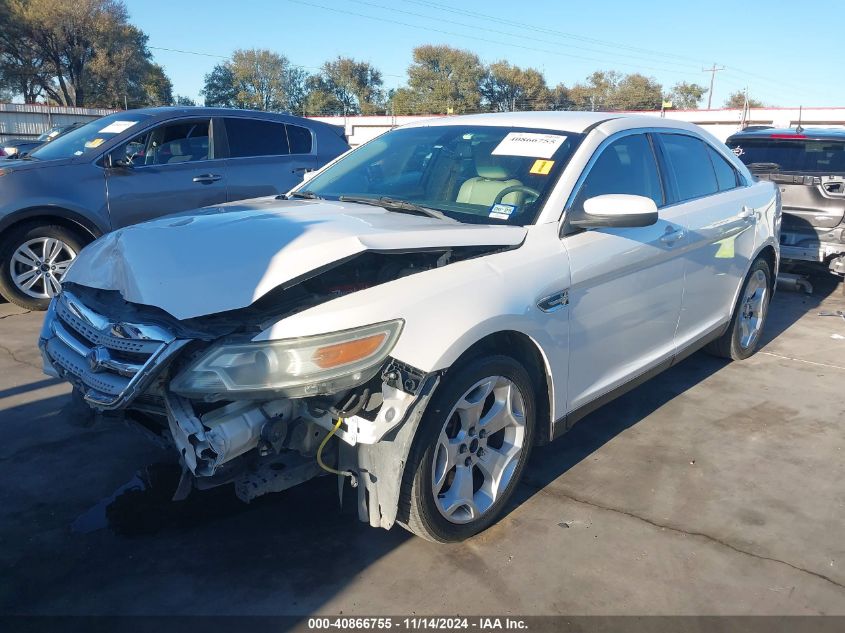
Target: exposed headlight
[[298, 367]]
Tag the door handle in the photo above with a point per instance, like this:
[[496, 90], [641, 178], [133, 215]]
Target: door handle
[[301, 170], [747, 214], [672, 235], [207, 178]]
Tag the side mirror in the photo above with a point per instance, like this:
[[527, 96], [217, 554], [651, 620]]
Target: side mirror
[[116, 159], [615, 210]]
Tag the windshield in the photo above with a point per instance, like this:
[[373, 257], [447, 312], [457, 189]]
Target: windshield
[[87, 138], [477, 174]]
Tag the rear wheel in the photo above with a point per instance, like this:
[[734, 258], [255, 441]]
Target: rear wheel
[[743, 335], [470, 450], [33, 261]]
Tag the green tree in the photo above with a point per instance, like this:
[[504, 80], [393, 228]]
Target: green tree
[[255, 78], [737, 101], [612, 90], [182, 100], [560, 98], [346, 86], [441, 80], [686, 96], [78, 53], [637, 92], [507, 88], [219, 90]]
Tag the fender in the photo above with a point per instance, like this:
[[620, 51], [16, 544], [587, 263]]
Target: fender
[[94, 229]]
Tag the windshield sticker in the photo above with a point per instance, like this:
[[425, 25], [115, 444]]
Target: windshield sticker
[[116, 127], [529, 144], [541, 167], [738, 150], [502, 211], [94, 142]]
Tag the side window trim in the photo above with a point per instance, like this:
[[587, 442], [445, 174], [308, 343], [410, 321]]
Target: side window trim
[[186, 119], [579, 184]]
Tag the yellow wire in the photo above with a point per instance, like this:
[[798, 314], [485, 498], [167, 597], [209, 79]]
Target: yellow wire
[[325, 441]]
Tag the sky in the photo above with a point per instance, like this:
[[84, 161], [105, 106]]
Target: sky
[[782, 58]]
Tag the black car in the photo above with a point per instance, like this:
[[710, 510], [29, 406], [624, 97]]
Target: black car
[[17, 147], [132, 166], [808, 165]]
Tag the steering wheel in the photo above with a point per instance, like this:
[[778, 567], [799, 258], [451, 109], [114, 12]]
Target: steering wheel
[[514, 188]]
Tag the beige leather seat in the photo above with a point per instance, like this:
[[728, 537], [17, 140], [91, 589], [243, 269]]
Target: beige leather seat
[[483, 189]]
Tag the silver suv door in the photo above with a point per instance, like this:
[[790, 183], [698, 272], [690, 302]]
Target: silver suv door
[[170, 167], [627, 284]]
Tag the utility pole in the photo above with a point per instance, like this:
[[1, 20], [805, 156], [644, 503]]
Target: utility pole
[[712, 72]]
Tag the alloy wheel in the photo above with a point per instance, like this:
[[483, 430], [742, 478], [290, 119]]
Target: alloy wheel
[[478, 449], [753, 309], [39, 265]]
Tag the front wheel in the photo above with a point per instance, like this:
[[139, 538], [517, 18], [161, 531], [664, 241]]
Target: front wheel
[[743, 335], [470, 450], [33, 261]]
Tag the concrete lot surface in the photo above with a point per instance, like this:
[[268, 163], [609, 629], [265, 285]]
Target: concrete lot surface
[[717, 488]]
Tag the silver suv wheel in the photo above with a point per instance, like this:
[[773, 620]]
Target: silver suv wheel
[[478, 449]]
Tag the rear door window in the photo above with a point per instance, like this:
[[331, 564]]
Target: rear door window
[[299, 139], [690, 166], [797, 155], [726, 175], [253, 137], [626, 165]]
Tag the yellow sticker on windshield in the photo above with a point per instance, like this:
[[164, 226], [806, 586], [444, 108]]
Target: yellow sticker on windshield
[[542, 167], [94, 143]]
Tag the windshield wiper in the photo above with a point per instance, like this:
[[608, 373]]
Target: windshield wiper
[[307, 195], [395, 204]]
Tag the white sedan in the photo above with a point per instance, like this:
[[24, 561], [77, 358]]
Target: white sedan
[[424, 310]]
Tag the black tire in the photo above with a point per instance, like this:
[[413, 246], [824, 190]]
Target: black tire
[[10, 244], [729, 345], [418, 511]]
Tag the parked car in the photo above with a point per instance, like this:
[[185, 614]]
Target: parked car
[[18, 147], [423, 310], [136, 165], [808, 166]]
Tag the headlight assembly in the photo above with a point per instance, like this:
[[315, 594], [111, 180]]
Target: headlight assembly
[[295, 368]]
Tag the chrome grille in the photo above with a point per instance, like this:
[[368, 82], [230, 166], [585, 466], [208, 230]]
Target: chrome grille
[[110, 362]]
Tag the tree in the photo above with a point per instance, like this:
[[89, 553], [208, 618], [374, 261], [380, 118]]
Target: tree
[[507, 88], [346, 86], [441, 80], [638, 92], [256, 78], [78, 53], [612, 90], [560, 98], [737, 101], [220, 90], [686, 96], [182, 100]]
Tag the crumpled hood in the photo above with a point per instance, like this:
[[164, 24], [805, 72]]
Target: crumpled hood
[[227, 257]]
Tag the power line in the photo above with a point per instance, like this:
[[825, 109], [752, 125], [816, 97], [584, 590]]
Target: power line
[[511, 34], [482, 39]]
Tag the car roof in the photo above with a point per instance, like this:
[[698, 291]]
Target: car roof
[[566, 121], [166, 112], [815, 133]]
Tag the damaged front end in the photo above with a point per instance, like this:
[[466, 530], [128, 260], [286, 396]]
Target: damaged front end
[[257, 415]]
